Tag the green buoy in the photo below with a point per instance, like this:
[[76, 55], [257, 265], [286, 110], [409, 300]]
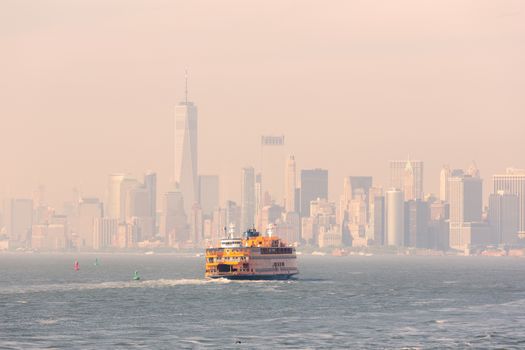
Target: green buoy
[[136, 276]]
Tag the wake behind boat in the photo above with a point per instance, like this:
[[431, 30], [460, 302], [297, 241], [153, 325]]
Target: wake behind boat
[[252, 256]]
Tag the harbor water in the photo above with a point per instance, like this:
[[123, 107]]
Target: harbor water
[[336, 302]]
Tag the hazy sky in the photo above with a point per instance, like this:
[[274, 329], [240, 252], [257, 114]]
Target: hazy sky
[[89, 87]]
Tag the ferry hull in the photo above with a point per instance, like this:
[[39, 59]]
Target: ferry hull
[[256, 277]]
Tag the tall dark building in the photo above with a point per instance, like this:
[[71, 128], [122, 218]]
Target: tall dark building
[[360, 183], [208, 194], [417, 218], [150, 183], [297, 200], [314, 184], [504, 217]]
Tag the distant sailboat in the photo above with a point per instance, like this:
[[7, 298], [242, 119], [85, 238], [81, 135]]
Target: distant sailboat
[[136, 276], [77, 265]]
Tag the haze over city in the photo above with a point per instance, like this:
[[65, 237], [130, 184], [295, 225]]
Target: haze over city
[[90, 88], [262, 174]]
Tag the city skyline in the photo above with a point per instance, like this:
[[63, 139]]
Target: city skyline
[[294, 203]]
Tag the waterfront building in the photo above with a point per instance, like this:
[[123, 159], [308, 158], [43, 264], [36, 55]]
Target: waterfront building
[[330, 237], [20, 221], [88, 210], [104, 233], [465, 196], [289, 227], [49, 237], [309, 230]]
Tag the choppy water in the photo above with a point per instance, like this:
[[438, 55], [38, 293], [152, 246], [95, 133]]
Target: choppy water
[[346, 302]]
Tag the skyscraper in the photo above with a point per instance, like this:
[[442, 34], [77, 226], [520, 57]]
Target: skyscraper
[[127, 185], [272, 167], [357, 218], [362, 183], [233, 217], [208, 194], [407, 175], [443, 183], [137, 203], [376, 212], [270, 214], [175, 227], [289, 199], [104, 233], [409, 183], [247, 198], [150, 183], [196, 224], [314, 184], [259, 200], [353, 186], [218, 225], [503, 217], [186, 160], [465, 196], [473, 170], [138, 211], [113, 201], [88, 210], [395, 226], [20, 220], [417, 218], [513, 182]]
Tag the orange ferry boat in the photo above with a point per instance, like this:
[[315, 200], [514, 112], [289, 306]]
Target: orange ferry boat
[[253, 256]]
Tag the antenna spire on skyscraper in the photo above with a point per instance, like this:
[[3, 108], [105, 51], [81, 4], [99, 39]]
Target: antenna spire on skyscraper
[[186, 78]]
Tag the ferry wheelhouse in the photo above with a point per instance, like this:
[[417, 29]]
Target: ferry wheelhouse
[[252, 256]]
